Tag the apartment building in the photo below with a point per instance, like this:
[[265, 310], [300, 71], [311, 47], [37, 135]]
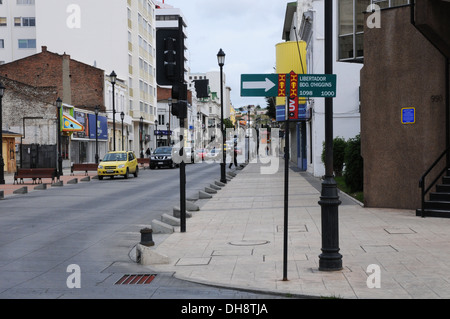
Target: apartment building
[[17, 29]]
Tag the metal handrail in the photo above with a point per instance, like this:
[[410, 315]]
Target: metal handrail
[[422, 179]]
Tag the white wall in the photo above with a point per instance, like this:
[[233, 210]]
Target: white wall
[[89, 31], [346, 116], [11, 34]]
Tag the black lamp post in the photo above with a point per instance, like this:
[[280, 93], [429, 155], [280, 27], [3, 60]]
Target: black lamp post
[[122, 116], [2, 163], [156, 133], [141, 129], [168, 133], [330, 259], [248, 134], [58, 124], [168, 126], [221, 61], [96, 109], [113, 77]]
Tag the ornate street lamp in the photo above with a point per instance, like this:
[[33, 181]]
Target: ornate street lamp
[[122, 116], [58, 124], [168, 133], [141, 129], [157, 133], [221, 61], [2, 163], [113, 77], [96, 109], [330, 259]]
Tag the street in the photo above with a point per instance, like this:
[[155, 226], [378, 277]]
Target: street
[[93, 227]]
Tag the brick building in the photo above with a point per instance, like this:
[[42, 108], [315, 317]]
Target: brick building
[[30, 112], [80, 86], [77, 83]]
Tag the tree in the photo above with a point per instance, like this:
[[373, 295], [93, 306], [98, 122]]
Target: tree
[[228, 123], [339, 146], [354, 168]]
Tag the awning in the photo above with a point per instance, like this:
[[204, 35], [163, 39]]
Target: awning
[[70, 124]]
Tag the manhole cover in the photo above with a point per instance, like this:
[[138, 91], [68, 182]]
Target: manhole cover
[[249, 242], [138, 279]]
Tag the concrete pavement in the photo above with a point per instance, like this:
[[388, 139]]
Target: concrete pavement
[[236, 240]]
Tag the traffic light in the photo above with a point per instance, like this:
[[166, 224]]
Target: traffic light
[[170, 58], [179, 93], [179, 109], [169, 54]]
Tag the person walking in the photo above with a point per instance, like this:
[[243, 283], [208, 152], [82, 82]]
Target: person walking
[[234, 155]]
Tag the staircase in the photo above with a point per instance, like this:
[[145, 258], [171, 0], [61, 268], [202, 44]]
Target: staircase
[[438, 204]]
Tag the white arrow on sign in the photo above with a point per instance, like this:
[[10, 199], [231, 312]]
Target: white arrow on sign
[[266, 85]]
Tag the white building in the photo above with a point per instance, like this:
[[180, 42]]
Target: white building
[[17, 30], [307, 16], [208, 110], [111, 35]]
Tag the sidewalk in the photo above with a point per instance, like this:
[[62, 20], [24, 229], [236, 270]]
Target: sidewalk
[[236, 240], [9, 187]]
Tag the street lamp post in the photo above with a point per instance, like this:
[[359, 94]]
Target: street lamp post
[[221, 61], [113, 77], [96, 109], [122, 116], [168, 133], [330, 259], [141, 129], [2, 163], [168, 129], [156, 134], [58, 124], [248, 134]]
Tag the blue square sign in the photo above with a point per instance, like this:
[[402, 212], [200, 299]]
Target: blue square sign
[[408, 115]]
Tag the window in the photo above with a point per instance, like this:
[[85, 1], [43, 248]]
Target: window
[[2, 43], [27, 43], [19, 2], [3, 21], [24, 22], [351, 26]]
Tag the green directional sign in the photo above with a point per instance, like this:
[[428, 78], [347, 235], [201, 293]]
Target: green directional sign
[[259, 84], [317, 85], [309, 85]]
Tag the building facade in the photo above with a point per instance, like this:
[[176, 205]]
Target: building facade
[[304, 21], [124, 42], [78, 85], [405, 103]]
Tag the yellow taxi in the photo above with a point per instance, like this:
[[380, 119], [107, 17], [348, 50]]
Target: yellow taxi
[[120, 163]]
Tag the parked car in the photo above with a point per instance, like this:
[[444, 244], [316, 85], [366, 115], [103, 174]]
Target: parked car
[[162, 157], [190, 154], [200, 154], [121, 163], [214, 154]]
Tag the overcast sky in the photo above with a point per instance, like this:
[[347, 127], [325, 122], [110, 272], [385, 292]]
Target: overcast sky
[[246, 30]]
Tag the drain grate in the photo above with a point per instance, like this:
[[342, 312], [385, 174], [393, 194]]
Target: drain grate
[[136, 279]]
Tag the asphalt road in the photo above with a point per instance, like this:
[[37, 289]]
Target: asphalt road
[[76, 241]]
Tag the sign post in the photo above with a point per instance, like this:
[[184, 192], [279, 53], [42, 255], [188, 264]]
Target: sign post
[[292, 86]]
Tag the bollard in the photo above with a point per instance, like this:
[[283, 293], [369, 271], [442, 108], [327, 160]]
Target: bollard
[[146, 237]]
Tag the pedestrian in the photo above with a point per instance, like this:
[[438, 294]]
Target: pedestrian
[[234, 155], [147, 152]]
